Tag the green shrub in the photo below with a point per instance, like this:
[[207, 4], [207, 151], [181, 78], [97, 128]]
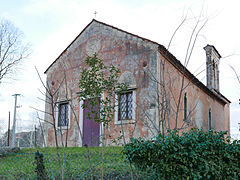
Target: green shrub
[[7, 150], [193, 155]]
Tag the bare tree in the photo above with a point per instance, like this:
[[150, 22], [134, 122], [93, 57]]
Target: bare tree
[[54, 93], [52, 96], [168, 94], [236, 74], [12, 49]]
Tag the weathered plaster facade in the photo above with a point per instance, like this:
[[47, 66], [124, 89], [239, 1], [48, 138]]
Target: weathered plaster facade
[[139, 60]]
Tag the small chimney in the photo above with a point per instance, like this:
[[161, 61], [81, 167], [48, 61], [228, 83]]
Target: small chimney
[[212, 61]]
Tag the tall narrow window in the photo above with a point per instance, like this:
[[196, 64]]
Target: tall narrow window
[[125, 106], [63, 114], [209, 119], [185, 107]]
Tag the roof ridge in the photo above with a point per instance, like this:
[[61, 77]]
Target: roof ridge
[[145, 39]]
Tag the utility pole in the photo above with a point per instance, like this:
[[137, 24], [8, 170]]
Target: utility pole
[[8, 141], [14, 121], [35, 138]]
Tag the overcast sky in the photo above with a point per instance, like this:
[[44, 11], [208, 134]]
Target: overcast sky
[[50, 26]]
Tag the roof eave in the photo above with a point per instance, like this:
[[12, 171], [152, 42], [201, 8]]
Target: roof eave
[[177, 64], [68, 46]]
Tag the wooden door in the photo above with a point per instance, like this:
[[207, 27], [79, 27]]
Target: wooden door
[[91, 129]]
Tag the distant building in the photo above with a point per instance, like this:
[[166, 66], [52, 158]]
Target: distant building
[[140, 61]]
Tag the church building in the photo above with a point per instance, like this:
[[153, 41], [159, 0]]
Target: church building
[[162, 94]]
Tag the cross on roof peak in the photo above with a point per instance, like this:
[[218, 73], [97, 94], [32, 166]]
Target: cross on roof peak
[[95, 14]]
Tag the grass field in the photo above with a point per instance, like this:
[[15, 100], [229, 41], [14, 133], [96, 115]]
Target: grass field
[[22, 165]]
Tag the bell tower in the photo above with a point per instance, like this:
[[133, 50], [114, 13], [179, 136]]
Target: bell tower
[[212, 67]]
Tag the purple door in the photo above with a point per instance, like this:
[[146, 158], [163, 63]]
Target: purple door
[[90, 127]]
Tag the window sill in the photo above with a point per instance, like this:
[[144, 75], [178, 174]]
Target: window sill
[[63, 127], [119, 122]]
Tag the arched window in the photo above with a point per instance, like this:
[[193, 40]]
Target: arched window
[[185, 107], [209, 119]]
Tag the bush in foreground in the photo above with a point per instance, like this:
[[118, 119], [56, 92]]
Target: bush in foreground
[[192, 155]]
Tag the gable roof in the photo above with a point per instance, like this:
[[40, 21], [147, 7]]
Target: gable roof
[[170, 57], [94, 20]]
